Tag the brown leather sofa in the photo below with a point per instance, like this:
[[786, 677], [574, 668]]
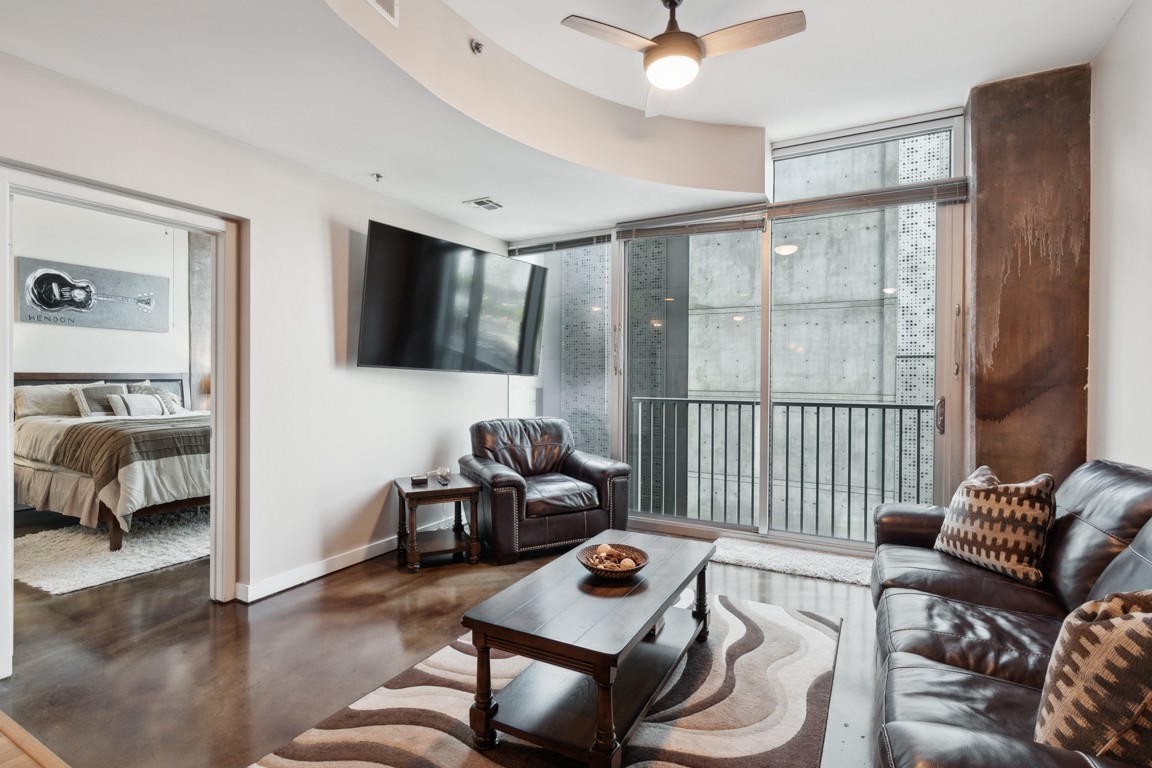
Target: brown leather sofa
[[538, 491], [963, 651]]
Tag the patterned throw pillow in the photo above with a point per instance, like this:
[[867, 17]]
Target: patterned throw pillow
[[172, 402], [93, 398], [1098, 692], [1000, 526]]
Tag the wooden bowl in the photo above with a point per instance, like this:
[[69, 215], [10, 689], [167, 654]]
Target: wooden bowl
[[638, 555]]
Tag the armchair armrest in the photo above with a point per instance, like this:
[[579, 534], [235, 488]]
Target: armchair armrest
[[491, 473], [593, 469], [610, 478], [914, 525]]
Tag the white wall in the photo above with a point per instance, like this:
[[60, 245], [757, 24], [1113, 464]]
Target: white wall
[[1120, 367], [323, 437], [54, 231]]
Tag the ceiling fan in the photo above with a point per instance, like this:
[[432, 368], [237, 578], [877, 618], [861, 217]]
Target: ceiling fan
[[672, 58]]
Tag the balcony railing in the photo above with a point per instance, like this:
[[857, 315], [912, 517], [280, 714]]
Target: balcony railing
[[830, 463]]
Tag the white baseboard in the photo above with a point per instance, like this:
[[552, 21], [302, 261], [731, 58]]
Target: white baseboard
[[250, 593]]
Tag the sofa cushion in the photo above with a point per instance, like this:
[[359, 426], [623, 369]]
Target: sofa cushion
[[1011, 645], [927, 691], [1000, 526], [918, 745], [1130, 571], [555, 494], [1098, 690], [1099, 510], [941, 574]]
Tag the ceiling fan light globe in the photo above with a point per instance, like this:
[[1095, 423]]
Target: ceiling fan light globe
[[672, 72], [673, 62]]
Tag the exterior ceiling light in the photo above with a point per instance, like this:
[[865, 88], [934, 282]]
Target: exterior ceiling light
[[787, 249]]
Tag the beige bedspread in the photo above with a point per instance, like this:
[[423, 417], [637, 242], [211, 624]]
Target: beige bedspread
[[128, 463]]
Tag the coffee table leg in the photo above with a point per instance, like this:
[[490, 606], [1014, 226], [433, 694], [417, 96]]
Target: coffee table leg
[[413, 547], [700, 611], [606, 751], [480, 715]]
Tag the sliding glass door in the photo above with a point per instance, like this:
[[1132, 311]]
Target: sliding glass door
[[693, 347]]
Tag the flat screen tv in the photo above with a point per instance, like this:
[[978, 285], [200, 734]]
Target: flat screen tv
[[437, 305]]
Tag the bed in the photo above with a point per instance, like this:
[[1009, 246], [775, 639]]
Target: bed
[[123, 449]]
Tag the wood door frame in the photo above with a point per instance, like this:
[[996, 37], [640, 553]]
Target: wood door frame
[[225, 380]]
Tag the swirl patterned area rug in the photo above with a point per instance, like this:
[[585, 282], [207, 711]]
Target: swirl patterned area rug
[[754, 694]]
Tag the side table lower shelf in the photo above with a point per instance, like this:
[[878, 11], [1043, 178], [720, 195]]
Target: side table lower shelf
[[556, 707], [441, 541]]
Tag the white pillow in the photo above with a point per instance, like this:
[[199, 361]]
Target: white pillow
[[45, 400], [137, 405]]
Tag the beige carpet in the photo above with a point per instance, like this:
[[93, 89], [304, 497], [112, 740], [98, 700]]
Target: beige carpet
[[754, 694]]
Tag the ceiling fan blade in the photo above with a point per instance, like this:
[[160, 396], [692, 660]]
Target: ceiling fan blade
[[656, 102], [608, 33], [752, 33]]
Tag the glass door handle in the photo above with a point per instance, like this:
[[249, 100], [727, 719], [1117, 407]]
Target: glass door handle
[[940, 415]]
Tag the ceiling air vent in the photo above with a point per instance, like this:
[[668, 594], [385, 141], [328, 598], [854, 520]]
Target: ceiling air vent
[[486, 203], [389, 9]]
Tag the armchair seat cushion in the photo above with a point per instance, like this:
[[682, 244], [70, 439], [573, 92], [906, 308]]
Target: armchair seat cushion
[[555, 494]]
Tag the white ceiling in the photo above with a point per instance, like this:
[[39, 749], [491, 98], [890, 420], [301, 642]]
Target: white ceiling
[[290, 77]]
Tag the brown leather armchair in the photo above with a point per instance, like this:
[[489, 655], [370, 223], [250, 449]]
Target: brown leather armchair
[[537, 490]]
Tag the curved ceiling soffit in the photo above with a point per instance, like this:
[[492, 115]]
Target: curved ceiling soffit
[[498, 90]]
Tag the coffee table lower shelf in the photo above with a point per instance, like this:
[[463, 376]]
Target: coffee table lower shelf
[[556, 707]]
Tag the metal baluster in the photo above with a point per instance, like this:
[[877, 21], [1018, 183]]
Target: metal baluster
[[918, 433], [699, 457], [832, 481], [900, 455], [883, 454], [739, 445], [725, 462], [850, 411]]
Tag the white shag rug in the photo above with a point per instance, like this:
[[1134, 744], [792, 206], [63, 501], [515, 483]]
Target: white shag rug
[[70, 559], [850, 569]]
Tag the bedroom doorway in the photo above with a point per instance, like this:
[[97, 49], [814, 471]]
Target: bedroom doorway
[[176, 314]]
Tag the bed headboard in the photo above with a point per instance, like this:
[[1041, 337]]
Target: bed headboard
[[176, 383]]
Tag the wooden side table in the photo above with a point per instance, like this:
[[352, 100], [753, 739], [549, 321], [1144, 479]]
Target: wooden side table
[[459, 489]]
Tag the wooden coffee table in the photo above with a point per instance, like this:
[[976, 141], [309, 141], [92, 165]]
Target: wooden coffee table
[[599, 662]]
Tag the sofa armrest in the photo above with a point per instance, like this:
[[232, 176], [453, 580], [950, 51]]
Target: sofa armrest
[[913, 525], [490, 473], [909, 744], [611, 479]]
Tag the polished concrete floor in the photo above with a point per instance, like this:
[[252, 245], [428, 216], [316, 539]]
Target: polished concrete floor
[[147, 672]]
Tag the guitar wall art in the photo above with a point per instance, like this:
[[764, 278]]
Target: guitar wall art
[[78, 295]]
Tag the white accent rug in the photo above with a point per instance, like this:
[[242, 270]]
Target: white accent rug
[[850, 569], [69, 559]]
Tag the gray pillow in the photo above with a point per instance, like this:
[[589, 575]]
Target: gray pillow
[[92, 399]]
